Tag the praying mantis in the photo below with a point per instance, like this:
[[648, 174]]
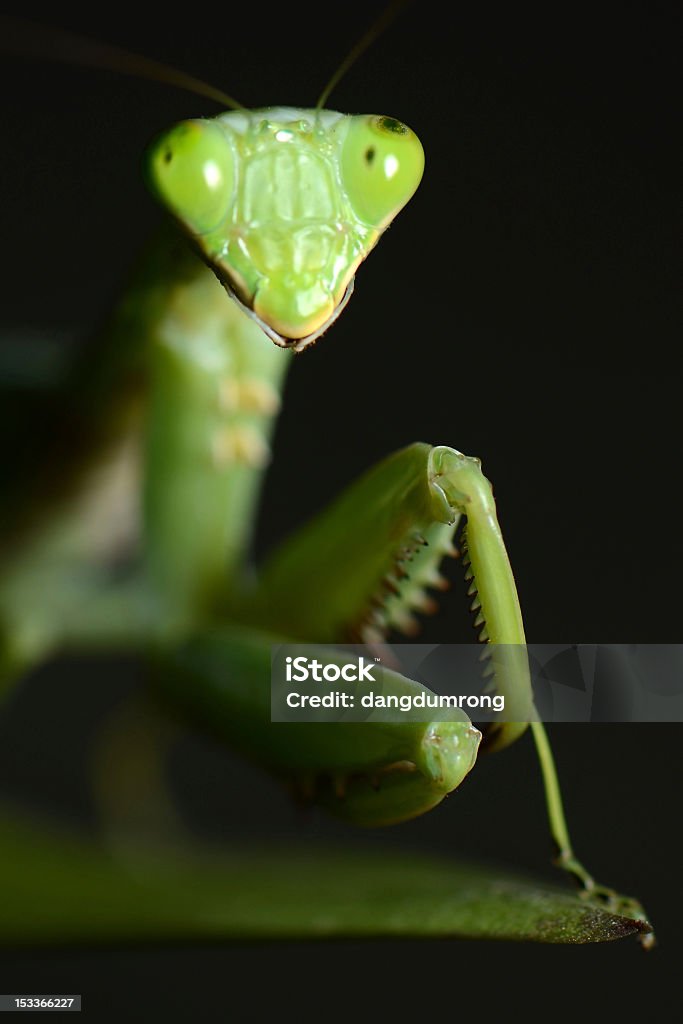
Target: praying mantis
[[280, 206]]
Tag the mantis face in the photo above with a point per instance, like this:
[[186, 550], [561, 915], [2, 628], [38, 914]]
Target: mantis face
[[284, 204]]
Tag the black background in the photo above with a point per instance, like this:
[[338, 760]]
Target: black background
[[521, 309]]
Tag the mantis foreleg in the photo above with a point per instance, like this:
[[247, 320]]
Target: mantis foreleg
[[320, 588]]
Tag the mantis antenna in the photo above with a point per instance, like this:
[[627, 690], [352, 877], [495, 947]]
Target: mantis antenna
[[388, 15], [27, 38], [30, 39]]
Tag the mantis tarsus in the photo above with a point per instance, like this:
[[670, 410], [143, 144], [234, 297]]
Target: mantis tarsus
[[283, 204]]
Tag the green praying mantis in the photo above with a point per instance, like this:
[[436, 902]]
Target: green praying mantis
[[280, 206]]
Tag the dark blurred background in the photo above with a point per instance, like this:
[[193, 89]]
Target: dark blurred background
[[520, 309]]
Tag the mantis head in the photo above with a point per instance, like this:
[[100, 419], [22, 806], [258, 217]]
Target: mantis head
[[284, 204]]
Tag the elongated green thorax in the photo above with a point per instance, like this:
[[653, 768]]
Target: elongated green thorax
[[284, 204], [215, 393]]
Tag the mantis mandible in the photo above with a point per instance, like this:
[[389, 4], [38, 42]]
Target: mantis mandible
[[280, 206]]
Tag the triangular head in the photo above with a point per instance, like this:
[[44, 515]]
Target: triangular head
[[284, 204]]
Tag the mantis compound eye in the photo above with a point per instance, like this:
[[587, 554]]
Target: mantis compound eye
[[382, 162], [191, 169]]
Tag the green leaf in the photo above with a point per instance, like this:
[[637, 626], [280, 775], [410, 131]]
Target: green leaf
[[55, 889]]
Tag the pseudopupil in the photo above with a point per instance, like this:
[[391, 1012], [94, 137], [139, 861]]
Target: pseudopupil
[[390, 124]]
